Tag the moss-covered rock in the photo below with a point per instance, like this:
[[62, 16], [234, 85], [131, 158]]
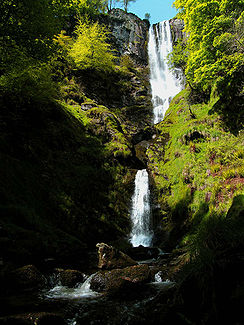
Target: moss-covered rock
[[69, 278], [27, 277]]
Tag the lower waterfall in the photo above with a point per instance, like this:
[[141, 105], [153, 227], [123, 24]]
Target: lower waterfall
[[141, 233]]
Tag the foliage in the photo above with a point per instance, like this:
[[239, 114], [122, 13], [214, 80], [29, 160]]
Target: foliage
[[90, 49], [26, 80], [79, 7], [178, 58], [215, 44], [28, 24]]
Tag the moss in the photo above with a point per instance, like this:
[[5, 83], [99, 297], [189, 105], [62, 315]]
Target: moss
[[197, 159]]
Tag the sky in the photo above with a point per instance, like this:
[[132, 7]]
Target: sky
[[158, 9]]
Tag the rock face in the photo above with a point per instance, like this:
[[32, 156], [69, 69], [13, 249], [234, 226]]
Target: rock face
[[111, 258], [116, 280], [129, 34], [177, 26]]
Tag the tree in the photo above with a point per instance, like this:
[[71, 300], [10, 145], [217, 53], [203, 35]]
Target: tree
[[90, 49], [126, 3], [110, 4], [212, 26], [147, 16]]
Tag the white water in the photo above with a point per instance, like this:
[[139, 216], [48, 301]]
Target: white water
[[81, 291], [165, 84], [141, 233]]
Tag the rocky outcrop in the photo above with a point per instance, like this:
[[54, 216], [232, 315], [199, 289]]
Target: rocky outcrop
[[129, 34], [111, 258], [116, 280], [177, 26]]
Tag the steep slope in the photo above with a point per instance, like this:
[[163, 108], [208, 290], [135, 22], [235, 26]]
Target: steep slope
[[67, 165]]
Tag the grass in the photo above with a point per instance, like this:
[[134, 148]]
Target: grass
[[199, 159]]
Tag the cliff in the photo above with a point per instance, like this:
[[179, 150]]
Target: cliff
[[129, 34]]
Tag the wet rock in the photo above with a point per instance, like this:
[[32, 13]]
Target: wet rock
[[143, 253], [117, 280], [177, 27], [41, 318], [27, 277], [111, 258], [70, 278]]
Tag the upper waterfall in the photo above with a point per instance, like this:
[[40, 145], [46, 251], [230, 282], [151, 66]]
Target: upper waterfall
[[165, 84]]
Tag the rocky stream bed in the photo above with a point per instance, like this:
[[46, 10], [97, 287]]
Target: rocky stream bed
[[120, 290]]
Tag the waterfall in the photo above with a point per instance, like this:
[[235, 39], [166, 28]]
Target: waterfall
[[141, 233], [165, 84], [81, 291]]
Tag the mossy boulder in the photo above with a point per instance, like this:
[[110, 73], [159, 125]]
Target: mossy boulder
[[69, 278], [27, 277]]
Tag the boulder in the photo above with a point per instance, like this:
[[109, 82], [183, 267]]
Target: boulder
[[117, 280], [70, 278], [27, 277], [112, 258]]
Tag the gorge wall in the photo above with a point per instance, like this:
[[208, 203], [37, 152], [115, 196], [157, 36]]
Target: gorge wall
[[68, 166]]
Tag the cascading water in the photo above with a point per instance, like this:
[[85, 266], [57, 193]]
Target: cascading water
[[81, 291], [141, 233], [165, 84]]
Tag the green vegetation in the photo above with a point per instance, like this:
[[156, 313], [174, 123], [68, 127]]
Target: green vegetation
[[196, 162], [90, 49], [215, 54], [212, 55], [197, 165]]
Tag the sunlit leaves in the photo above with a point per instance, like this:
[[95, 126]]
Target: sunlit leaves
[[215, 42], [90, 49]]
